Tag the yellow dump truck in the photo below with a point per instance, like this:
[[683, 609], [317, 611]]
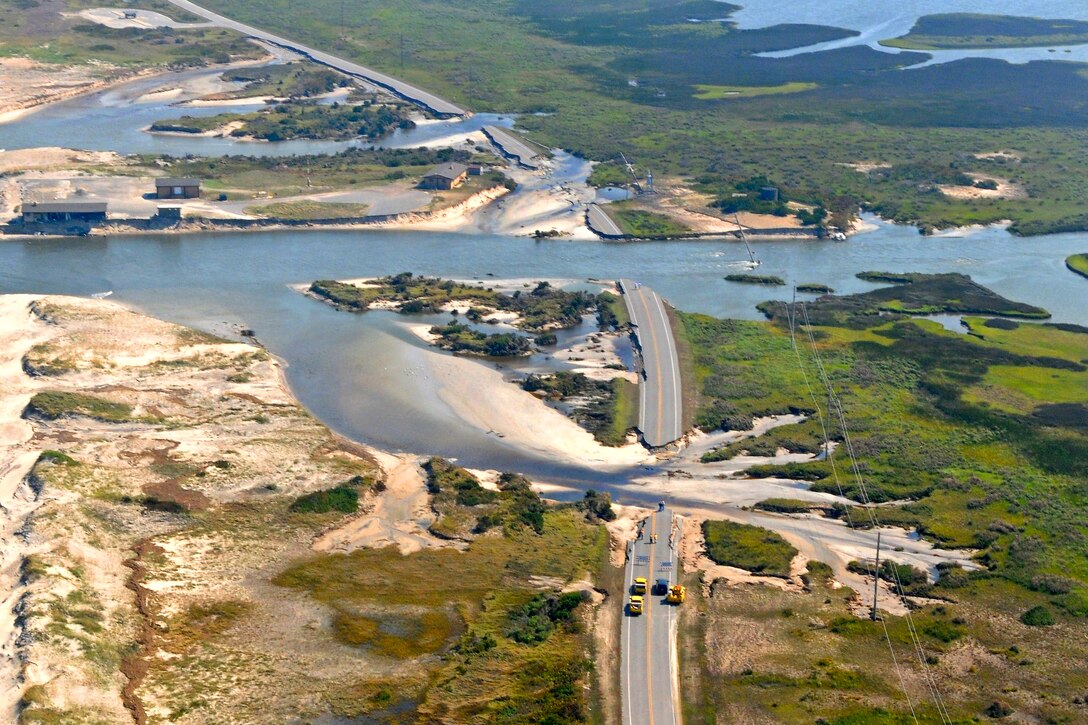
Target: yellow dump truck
[[635, 605], [677, 594], [639, 587]]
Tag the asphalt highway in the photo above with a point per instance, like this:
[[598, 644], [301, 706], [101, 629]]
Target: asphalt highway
[[660, 401], [648, 668], [402, 89]]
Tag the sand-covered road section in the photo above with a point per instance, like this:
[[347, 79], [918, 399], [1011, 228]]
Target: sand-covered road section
[[148, 472]]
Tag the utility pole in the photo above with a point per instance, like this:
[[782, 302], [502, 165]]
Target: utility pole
[[876, 577]]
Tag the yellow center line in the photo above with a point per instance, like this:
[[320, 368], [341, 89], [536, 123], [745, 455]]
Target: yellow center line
[[657, 364], [649, 624]]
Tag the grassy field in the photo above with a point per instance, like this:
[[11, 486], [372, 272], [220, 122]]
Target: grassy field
[[759, 654], [618, 77], [1078, 263], [36, 29], [715, 93], [953, 31]]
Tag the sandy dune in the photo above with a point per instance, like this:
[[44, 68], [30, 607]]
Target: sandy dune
[[18, 333]]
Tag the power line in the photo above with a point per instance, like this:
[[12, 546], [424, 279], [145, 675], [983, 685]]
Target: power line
[[825, 425], [837, 408]]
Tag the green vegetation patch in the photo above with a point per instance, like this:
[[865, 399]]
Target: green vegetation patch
[[339, 499], [815, 288], [54, 404], [1078, 263], [300, 120], [606, 408], [954, 31], [643, 224], [546, 306], [1037, 616], [788, 506], [283, 80], [245, 177], [200, 623], [309, 210], [748, 547], [456, 337], [909, 294], [806, 437], [534, 621], [612, 312], [715, 93], [412, 294], [763, 279], [466, 508], [59, 458], [541, 308]]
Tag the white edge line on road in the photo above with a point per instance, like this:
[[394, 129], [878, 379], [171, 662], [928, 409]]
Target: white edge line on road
[[674, 358], [626, 711]]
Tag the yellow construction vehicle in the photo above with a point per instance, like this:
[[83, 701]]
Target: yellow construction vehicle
[[639, 587], [635, 605], [677, 594]]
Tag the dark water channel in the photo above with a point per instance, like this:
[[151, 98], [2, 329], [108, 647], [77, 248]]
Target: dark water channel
[[360, 373]]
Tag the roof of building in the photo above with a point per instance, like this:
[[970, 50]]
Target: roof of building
[[165, 181], [62, 206], [448, 171]]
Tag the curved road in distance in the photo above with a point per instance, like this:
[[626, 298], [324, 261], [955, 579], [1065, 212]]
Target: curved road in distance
[[660, 401], [648, 668], [405, 90]]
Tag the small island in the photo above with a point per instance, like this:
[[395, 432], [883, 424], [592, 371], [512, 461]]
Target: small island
[[301, 101], [537, 309], [763, 279], [960, 31], [908, 294], [815, 288], [1078, 263]]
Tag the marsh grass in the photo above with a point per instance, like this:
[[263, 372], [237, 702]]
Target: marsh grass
[[748, 547]]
